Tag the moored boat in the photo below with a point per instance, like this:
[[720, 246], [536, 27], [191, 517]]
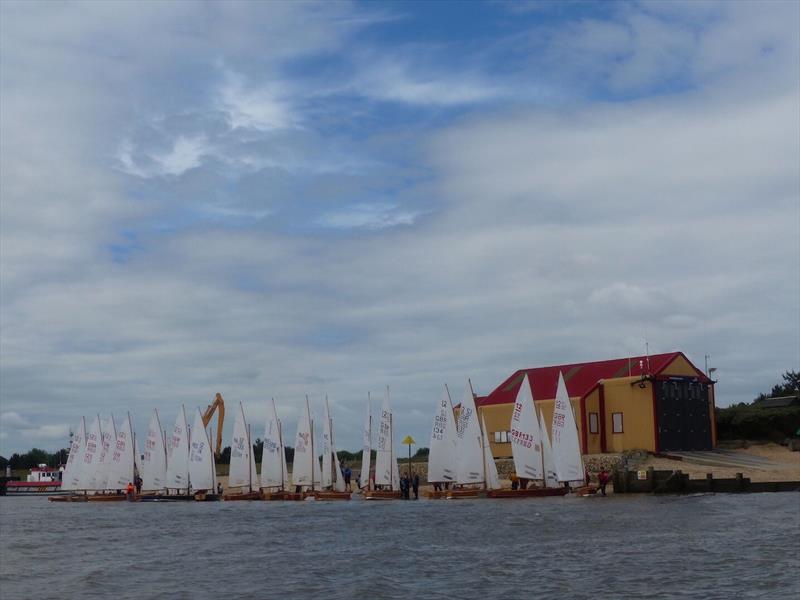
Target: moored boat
[[242, 474], [387, 473], [40, 480]]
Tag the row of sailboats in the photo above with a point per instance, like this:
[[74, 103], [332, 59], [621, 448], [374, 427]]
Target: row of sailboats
[[460, 454]]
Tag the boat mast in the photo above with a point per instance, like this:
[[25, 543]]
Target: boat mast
[[480, 428], [281, 450], [249, 458], [311, 441], [391, 446], [369, 435]]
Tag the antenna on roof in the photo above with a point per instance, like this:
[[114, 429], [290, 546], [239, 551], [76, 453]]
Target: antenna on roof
[[647, 351]]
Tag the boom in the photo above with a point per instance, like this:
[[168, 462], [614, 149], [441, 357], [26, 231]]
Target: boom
[[219, 406]]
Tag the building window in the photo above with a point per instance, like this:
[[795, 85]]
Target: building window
[[616, 419], [594, 423], [500, 437], [497, 437]]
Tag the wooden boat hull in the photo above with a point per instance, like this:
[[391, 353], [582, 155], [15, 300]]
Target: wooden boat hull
[[585, 490], [382, 495], [203, 497], [332, 495], [436, 495], [70, 498], [281, 495], [464, 494], [527, 493], [107, 498], [242, 496], [165, 498]]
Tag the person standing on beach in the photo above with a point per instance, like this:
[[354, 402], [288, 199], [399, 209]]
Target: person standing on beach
[[348, 474], [415, 485], [129, 491], [602, 479]]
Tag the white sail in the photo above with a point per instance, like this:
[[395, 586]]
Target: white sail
[[338, 482], [327, 477], [366, 447], [470, 453], [551, 478], [202, 473], [492, 479], [273, 459], [122, 457], [109, 431], [178, 461], [386, 471], [72, 471], [242, 464], [566, 445], [303, 471], [443, 451], [526, 436], [154, 460], [91, 456]]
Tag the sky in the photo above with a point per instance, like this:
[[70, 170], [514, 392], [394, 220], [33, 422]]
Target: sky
[[278, 199]]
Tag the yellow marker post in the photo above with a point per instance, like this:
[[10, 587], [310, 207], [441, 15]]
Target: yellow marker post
[[409, 440]]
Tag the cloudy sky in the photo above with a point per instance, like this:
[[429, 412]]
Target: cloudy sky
[[269, 199]]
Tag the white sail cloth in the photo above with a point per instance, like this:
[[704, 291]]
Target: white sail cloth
[[91, 456], [178, 461], [72, 471], [526, 435], [273, 459], [303, 471], [442, 457], [470, 447], [566, 445], [242, 472], [386, 469], [154, 458], [366, 446], [490, 467], [121, 467], [202, 472]]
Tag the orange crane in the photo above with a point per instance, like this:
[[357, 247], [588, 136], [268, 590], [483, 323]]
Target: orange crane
[[217, 405]]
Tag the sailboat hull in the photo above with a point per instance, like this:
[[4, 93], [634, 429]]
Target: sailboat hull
[[436, 494], [107, 498], [527, 493], [242, 496], [465, 494], [326, 495], [382, 495], [70, 498], [281, 495], [167, 498]]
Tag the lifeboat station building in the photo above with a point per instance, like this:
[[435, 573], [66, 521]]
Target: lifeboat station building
[[656, 403]]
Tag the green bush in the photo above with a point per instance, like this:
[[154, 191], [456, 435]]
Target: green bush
[[751, 422]]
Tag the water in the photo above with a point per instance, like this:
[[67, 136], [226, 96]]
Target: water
[[714, 546]]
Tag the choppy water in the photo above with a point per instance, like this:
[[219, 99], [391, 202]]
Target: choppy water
[[720, 546]]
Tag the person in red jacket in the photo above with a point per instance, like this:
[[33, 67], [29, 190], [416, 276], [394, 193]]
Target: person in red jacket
[[602, 479]]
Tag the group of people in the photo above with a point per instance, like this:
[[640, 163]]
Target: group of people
[[408, 484]]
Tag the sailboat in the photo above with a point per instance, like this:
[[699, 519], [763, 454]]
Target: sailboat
[[305, 468], [387, 473], [202, 471], [70, 479], [118, 468], [567, 457], [442, 456], [274, 474], [154, 460], [476, 467], [99, 477], [528, 448], [242, 473], [177, 473], [331, 478], [366, 448]]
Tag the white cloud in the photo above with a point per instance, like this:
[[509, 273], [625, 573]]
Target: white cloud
[[368, 216], [12, 419], [261, 108], [48, 432]]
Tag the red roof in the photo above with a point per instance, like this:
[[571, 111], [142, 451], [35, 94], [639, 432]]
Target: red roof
[[580, 378]]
